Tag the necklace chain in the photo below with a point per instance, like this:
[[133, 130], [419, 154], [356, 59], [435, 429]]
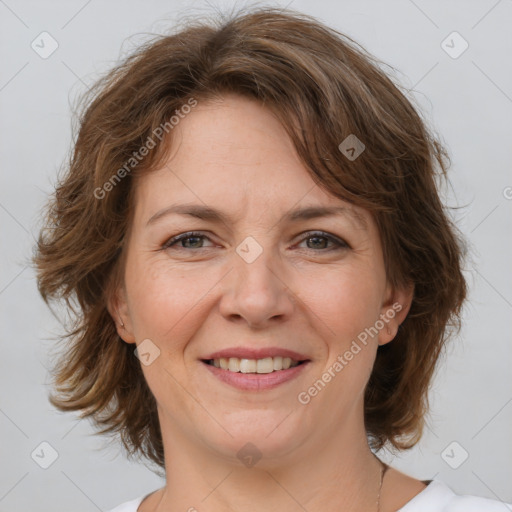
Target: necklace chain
[[383, 469]]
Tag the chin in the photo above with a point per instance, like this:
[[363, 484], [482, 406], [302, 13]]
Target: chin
[[267, 437]]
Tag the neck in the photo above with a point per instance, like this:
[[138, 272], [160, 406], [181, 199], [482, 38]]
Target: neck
[[317, 475]]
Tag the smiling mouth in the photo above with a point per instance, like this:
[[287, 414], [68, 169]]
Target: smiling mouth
[[265, 365]]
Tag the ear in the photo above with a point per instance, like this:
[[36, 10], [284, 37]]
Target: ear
[[117, 306], [394, 310]]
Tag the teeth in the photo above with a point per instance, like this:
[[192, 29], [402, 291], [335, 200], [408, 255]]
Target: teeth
[[234, 364], [249, 366], [266, 365]]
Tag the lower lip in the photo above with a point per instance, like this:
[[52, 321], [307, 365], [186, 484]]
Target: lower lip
[[256, 381]]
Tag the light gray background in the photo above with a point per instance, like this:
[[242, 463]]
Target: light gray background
[[467, 99]]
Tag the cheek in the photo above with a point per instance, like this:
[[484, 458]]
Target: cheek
[[347, 300], [165, 300], [349, 305]]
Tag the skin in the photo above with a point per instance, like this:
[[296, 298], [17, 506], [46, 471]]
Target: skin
[[301, 293]]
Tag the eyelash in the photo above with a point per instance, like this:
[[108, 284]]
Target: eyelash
[[340, 244]]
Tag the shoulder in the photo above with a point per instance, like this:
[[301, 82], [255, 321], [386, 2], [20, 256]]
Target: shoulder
[[438, 497], [129, 506]]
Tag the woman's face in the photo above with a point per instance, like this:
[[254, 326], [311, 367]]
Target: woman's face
[[262, 281]]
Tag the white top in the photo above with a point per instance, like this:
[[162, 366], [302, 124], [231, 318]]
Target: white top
[[436, 497]]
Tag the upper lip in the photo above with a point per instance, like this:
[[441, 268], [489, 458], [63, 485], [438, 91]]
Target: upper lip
[[256, 353]]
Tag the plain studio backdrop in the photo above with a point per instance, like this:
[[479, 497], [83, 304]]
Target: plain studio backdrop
[[454, 57]]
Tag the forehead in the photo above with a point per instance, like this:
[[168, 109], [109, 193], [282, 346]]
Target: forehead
[[232, 158]]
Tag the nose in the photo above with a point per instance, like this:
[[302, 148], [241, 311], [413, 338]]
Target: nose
[[256, 292]]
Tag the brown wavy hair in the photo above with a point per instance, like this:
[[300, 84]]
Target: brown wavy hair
[[323, 87]]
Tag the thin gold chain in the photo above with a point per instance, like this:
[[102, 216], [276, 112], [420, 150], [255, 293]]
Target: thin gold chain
[[383, 470]]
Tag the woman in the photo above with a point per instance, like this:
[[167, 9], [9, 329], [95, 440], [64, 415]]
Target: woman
[[262, 272]]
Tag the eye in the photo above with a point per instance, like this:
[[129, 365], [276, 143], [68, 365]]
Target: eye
[[194, 237], [321, 239], [195, 240]]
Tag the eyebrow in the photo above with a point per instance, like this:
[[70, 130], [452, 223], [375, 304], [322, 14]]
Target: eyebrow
[[207, 213]]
